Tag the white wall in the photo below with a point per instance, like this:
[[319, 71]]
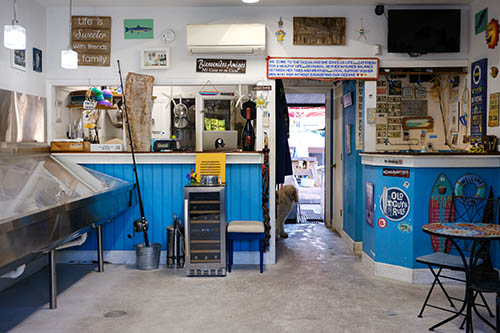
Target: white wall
[[184, 65], [32, 17], [479, 49]]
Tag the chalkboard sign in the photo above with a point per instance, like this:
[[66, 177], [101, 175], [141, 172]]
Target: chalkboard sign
[[323, 68], [91, 39]]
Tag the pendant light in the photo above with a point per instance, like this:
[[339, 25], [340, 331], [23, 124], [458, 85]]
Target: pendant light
[[69, 58], [14, 36]]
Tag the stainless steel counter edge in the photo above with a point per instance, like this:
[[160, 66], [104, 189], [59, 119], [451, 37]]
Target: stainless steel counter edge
[[152, 158], [431, 161]]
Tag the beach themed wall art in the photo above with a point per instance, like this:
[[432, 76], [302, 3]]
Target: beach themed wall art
[[18, 59], [319, 30], [138, 29], [491, 34], [91, 39], [156, 58]]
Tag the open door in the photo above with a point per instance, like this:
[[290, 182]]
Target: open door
[[329, 162]]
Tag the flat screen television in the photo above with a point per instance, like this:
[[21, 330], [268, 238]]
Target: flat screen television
[[423, 30]]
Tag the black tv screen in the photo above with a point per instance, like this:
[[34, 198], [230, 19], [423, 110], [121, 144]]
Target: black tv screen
[[424, 30]]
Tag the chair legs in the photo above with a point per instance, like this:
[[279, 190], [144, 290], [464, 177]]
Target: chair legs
[[436, 280], [231, 245], [261, 255]]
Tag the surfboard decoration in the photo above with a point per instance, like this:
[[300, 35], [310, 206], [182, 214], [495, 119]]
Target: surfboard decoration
[[440, 204]]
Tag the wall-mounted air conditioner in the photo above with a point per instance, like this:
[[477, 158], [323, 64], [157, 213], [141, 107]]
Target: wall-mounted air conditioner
[[226, 38]]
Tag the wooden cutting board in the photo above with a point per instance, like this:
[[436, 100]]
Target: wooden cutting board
[[139, 95]]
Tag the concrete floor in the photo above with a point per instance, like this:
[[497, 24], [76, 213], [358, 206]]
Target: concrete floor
[[318, 285]]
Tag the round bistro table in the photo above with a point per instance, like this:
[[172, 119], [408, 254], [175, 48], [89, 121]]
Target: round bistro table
[[475, 232]]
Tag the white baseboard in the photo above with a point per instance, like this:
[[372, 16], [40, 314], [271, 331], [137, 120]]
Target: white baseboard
[[356, 247], [128, 257], [405, 274]]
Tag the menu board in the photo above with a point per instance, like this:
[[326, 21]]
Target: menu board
[[479, 92], [323, 68], [91, 39]]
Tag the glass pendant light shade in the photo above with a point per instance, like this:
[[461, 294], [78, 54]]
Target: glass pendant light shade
[[69, 59], [14, 37]]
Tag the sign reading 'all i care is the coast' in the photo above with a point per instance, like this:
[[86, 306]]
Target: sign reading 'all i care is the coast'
[[91, 39]]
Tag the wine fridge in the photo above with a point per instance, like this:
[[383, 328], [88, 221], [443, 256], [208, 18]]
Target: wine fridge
[[205, 230]]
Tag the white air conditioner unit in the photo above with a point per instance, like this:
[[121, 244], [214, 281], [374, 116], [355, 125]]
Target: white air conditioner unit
[[226, 39]]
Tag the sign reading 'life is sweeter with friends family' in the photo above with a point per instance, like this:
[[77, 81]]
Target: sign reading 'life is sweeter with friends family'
[[91, 39]]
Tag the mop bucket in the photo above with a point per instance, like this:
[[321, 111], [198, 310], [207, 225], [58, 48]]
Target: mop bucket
[[148, 258]]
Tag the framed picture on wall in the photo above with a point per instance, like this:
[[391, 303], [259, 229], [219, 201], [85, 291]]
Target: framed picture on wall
[[18, 59], [157, 58], [408, 93], [347, 99], [37, 60]]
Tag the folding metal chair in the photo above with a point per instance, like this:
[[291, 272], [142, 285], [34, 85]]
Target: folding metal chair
[[469, 210]]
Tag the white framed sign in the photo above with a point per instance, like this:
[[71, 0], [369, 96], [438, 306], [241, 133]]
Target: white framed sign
[[323, 68], [155, 58]]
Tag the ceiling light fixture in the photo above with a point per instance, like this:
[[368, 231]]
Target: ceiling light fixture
[[250, 1], [69, 58], [14, 36]]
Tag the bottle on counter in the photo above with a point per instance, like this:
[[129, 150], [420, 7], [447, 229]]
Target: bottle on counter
[[248, 134]]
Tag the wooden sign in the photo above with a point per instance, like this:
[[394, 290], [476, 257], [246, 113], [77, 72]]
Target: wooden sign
[[91, 39], [319, 30], [323, 68], [236, 66]]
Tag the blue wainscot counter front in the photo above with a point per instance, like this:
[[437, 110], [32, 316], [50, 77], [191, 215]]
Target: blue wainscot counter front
[[402, 192], [162, 177]]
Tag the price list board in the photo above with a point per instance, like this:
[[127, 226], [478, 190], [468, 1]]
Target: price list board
[[323, 68]]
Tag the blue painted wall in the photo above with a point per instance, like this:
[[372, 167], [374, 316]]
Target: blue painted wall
[[390, 245], [352, 210], [162, 187]]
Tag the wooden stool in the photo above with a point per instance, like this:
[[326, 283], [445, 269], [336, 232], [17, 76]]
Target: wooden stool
[[245, 230]]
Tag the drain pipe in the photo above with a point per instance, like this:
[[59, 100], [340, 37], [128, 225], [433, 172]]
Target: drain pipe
[[76, 242], [14, 274]]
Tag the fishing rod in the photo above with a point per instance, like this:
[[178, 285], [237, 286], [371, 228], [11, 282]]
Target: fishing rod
[[140, 224]]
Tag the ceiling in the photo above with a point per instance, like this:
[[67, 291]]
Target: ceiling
[[217, 3]]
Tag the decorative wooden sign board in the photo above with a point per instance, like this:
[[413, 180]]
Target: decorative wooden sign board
[[323, 68], [91, 39], [235, 66], [319, 30]]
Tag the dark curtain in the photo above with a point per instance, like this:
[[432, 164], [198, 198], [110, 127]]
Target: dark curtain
[[283, 160]]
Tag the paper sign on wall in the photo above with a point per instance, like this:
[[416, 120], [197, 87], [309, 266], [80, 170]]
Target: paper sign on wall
[[493, 115], [323, 68]]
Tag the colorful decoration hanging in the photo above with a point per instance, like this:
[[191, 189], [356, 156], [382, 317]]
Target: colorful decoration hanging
[[491, 34], [494, 72], [362, 31], [280, 33]]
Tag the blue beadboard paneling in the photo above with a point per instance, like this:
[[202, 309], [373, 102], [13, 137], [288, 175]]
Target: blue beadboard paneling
[[162, 187]]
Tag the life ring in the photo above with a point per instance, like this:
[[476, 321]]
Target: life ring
[[477, 181]]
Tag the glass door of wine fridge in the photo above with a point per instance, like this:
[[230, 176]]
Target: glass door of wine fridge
[[205, 230]]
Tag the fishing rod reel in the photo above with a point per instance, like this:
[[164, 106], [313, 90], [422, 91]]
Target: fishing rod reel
[[140, 225]]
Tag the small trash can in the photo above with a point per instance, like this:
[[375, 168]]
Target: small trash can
[[148, 258]]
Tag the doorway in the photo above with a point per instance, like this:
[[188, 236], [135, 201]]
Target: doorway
[[309, 107]]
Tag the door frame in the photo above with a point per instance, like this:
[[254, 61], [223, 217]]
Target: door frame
[[338, 163], [329, 148]]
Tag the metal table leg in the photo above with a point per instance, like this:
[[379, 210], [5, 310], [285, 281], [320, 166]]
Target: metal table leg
[[53, 279], [100, 252]]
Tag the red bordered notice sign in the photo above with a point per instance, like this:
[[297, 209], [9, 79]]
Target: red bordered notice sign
[[323, 68]]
